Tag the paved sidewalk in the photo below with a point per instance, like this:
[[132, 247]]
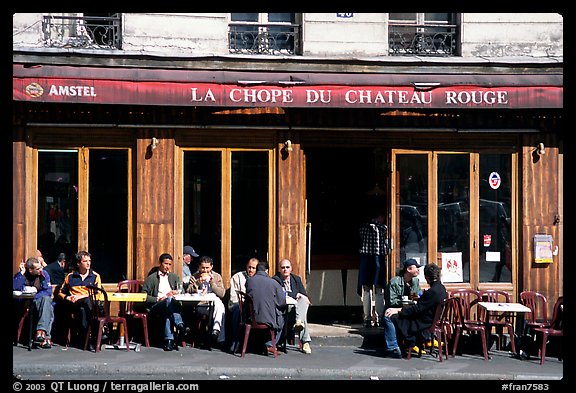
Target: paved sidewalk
[[338, 353]]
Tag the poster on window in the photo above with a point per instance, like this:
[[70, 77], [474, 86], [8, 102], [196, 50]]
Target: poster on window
[[451, 263]]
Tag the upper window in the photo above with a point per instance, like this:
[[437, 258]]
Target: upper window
[[94, 31], [264, 33], [428, 34]]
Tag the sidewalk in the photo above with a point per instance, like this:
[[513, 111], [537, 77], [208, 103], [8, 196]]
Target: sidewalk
[[338, 353]]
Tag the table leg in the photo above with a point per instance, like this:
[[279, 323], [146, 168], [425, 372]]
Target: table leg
[[31, 325]]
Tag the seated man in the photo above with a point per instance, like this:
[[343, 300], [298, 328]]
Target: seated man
[[413, 320], [160, 288], [32, 275], [268, 299], [205, 280], [294, 288], [238, 283], [406, 283], [74, 292]]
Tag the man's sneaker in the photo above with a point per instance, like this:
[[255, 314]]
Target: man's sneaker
[[367, 323], [306, 348], [46, 344], [215, 334], [298, 326]]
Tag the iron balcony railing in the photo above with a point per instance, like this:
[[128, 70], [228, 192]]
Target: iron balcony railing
[[264, 39], [94, 32], [425, 40]]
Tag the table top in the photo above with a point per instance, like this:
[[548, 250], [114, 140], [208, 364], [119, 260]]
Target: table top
[[510, 307], [22, 295], [196, 297], [127, 297]]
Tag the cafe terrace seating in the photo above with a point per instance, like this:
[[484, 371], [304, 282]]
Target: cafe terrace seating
[[248, 322], [467, 317], [556, 329], [127, 308], [498, 321]]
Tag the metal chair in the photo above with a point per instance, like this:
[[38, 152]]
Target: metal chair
[[248, 322], [101, 317], [127, 309], [466, 317], [498, 321], [556, 329]]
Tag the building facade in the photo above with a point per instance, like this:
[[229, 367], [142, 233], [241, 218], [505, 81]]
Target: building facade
[[277, 134]]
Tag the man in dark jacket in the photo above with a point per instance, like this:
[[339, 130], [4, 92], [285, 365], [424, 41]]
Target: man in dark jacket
[[294, 288], [56, 269], [413, 320], [160, 288], [268, 299]]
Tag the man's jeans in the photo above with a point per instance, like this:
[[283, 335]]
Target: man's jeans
[[169, 311], [389, 333], [45, 314]]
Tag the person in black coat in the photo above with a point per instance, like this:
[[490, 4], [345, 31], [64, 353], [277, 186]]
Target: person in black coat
[[56, 269], [414, 320], [268, 299]]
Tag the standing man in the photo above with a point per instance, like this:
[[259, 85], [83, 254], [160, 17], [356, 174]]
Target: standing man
[[294, 288], [31, 276], [268, 299], [372, 271], [238, 283], [187, 256], [160, 288]]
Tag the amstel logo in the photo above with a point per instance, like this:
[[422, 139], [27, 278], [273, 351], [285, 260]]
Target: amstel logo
[[34, 90]]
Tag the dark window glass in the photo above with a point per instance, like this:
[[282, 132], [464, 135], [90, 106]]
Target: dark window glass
[[244, 17], [57, 204], [202, 204], [250, 207], [108, 213], [413, 206], [495, 218], [454, 216]]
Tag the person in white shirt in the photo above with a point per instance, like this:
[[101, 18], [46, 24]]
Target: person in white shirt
[[238, 283]]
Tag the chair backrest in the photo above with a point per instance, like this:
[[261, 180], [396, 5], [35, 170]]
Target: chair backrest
[[468, 300], [129, 286], [494, 296], [537, 303], [247, 313], [558, 315], [100, 308]]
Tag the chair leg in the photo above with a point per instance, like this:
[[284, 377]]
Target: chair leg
[[145, 329], [273, 337], [126, 335], [512, 340], [543, 347], [456, 339], [484, 345], [246, 335]]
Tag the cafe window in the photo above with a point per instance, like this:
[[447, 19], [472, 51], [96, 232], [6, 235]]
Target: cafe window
[[83, 205], [455, 209]]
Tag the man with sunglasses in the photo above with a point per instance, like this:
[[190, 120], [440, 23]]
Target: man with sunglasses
[[294, 288]]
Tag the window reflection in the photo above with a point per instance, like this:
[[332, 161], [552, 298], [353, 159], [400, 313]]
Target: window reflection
[[454, 216], [108, 213], [495, 219], [413, 205], [249, 207], [57, 203], [202, 204]]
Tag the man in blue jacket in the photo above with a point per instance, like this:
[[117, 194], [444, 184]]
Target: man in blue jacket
[[31, 279]]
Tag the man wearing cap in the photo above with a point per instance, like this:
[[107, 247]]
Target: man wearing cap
[[187, 272], [405, 283], [414, 320]]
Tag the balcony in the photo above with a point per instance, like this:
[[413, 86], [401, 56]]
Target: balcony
[[264, 39], [90, 32], [423, 40]]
